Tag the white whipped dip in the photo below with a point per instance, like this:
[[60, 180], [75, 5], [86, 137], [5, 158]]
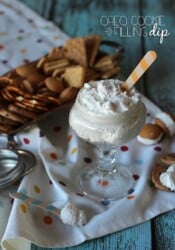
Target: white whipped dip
[[72, 215], [106, 97], [104, 113], [168, 178]]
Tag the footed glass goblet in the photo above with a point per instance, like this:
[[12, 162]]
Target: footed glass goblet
[[107, 178], [106, 116]]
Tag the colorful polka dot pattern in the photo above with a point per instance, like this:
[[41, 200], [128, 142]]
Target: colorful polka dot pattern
[[18, 40], [47, 220], [26, 141], [105, 202], [41, 133], [23, 208], [53, 156], [69, 138], [131, 190], [74, 150], [28, 201], [105, 183], [135, 177], [130, 197], [87, 160], [37, 189], [158, 148], [124, 148]]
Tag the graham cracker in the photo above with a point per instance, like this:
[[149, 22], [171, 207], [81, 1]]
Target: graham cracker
[[92, 46], [75, 50]]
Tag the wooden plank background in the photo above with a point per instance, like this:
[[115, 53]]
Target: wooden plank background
[[78, 18]]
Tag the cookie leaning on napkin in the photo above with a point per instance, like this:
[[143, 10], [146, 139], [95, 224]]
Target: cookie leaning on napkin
[[163, 173]]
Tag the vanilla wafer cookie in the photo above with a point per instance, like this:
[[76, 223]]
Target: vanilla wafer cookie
[[68, 94], [26, 70], [168, 159], [167, 178], [35, 78], [150, 134], [27, 87], [166, 122], [54, 84], [156, 172]]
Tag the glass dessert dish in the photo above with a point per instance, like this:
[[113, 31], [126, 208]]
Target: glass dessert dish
[[106, 116]]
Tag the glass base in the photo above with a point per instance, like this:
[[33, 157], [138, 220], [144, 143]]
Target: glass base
[[100, 184]]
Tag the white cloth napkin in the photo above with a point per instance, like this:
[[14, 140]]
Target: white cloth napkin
[[24, 36], [59, 152]]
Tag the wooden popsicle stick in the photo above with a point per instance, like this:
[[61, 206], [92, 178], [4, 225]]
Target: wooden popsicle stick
[[139, 70]]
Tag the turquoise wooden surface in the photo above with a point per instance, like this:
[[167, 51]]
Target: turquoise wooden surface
[[79, 18]]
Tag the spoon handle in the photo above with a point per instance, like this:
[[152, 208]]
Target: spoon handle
[[140, 69], [34, 202]]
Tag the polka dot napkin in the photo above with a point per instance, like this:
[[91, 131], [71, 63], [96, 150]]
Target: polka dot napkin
[[24, 36], [59, 153]]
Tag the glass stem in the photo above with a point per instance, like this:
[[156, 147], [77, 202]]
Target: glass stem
[[106, 154]]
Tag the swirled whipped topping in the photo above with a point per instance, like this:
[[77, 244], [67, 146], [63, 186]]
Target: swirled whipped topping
[[106, 96], [168, 178], [103, 112], [72, 215]]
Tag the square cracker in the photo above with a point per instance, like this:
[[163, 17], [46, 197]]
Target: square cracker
[[75, 76], [92, 46], [75, 50]]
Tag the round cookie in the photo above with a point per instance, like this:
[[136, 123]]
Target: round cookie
[[35, 78], [54, 84], [156, 172], [26, 70], [166, 122], [150, 134], [28, 86], [168, 159], [168, 178], [68, 94]]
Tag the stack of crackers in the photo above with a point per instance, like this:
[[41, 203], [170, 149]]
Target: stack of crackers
[[34, 89]]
